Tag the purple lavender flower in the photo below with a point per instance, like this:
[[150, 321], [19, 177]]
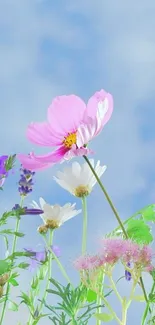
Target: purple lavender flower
[[3, 172], [127, 273], [25, 182], [26, 211]]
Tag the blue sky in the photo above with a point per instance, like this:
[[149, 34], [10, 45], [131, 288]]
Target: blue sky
[[50, 48]]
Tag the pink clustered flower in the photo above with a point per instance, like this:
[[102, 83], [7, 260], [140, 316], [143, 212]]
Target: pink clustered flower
[[71, 125], [114, 250], [87, 262]]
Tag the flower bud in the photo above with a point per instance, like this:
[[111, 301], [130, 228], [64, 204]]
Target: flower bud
[[1, 291], [3, 279], [42, 229]]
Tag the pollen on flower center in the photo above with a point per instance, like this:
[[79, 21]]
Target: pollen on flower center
[[52, 224], [69, 140], [82, 191]]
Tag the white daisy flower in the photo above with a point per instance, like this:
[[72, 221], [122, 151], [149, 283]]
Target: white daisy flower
[[55, 215], [79, 179]]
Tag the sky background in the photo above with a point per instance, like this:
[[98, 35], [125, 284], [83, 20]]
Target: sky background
[[50, 48]]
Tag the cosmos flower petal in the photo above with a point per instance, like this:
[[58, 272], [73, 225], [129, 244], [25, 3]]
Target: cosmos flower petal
[[41, 134], [97, 100], [86, 132], [65, 114], [31, 162], [77, 152], [34, 162]]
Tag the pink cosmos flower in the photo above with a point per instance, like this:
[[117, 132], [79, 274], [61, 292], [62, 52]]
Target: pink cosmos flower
[[70, 126]]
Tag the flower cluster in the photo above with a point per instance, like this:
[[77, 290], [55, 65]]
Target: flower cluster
[[115, 250], [70, 126]]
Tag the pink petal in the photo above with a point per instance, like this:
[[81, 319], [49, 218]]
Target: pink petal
[[74, 152], [86, 132], [41, 134], [31, 162], [97, 98], [34, 162], [53, 157], [65, 114]]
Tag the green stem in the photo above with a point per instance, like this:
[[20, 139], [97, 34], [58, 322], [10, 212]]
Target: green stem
[[84, 235], [113, 286], [116, 215], [58, 262], [8, 284], [124, 314], [99, 300], [107, 197], [49, 272], [107, 304], [148, 305], [126, 305]]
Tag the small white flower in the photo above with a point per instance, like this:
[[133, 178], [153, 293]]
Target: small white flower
[[79, 179], [55, 215]]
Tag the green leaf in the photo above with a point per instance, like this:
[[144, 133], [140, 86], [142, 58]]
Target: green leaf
[[34, 283], [152, 297], [13, 282], [6, 242], [43, 272], [25, 299], [91, 295], [139, 231], [23, 265], [104, 317], [148, 213], [11, 232], [9, 164], [4, 267], [13, 306], [19, 254], [139, 298], [5, 216]]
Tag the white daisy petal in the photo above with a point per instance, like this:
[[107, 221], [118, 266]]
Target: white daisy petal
[[78, 179], [55, 215]]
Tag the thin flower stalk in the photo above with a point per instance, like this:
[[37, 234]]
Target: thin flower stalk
[[99, 300], [107, 304], [13, 250], [49, 273], [84, 235], [58, 262], [148, 305]]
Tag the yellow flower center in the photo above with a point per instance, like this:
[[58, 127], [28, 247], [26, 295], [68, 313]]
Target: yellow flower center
[[69, 140], [82, 191], [52, 224]]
